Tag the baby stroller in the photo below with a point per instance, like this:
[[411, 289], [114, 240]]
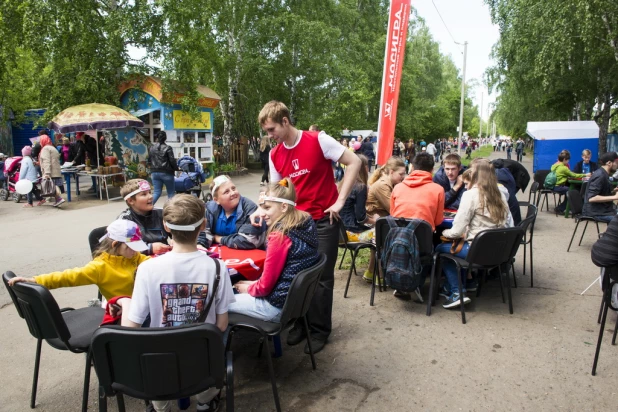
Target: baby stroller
[[191, 178], [10, 176]]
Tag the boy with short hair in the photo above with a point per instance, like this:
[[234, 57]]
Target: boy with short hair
[[175, 287], [449, 177]]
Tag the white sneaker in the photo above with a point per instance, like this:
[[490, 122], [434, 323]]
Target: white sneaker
[[59, 202]]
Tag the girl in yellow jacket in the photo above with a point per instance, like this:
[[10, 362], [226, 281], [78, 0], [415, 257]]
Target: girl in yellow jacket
[[112, 269]]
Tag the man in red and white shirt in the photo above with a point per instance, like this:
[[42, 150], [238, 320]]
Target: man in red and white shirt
[[306, 157]]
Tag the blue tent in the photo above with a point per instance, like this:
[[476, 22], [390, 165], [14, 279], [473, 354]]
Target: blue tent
[[550, 138]]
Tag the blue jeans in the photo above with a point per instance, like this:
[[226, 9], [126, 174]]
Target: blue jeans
[[158, 180], [256, 308], [563, 191], [450, 268], [605, 218]]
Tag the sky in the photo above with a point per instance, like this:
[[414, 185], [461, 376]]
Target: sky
[[467, 20]]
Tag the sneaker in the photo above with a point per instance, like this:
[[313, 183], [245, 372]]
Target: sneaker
[[444, 292], [472, 285], [213, 405], [401, 295], [368, 276], [453, 301], [41, 202], [296, 336], [59, 202]]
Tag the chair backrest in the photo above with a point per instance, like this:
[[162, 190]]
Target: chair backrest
[[575, 201], [159, 363], [534, 189], [94, 236], [493, 247], [343, 235], [301, 292], [540, 175], [423, 232], [37, 306]]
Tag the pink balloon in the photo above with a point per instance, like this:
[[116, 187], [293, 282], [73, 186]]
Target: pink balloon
[[357, 145]]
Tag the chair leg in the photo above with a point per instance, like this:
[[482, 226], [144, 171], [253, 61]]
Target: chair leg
[[306, 325], [229, 382], [347, 285], [343, 257], [508, 288], [501, 283], [86, 381], [615, 332], [102, 400], [432, 282], [376, 274], [573, 236], [531, 267], [601, 309], [461, 296], [35, 378], [583, 233], [524, 267], [482, 280], [120, 402], [514, 277], [273, 381], [598, 231], [606, 295]]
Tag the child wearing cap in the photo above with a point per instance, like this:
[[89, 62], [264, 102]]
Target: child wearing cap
[[228, 218], [137, 194], [177, 287], [292, 247], [27, 171], [112, 269]]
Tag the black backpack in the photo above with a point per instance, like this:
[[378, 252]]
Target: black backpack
[[400, 260]]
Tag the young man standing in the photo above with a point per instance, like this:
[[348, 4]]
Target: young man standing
[[600, 195], [449, 177], [306, 158], [519, 149]]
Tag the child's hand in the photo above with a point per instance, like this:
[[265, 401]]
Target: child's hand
[[115, 310], [159, 248], [20, 279], [241, 287]]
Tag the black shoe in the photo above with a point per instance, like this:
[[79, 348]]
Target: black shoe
[[316, 344], [296, 336]]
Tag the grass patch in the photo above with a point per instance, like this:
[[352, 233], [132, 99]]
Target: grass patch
[[362, 260], [483, 151]]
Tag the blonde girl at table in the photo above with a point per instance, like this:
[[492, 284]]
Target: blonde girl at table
[[292, 247]]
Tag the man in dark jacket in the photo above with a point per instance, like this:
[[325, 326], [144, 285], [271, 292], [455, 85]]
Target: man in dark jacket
[[367, 150], [78, 150], [162, 167], [449, 177], [600, 194]]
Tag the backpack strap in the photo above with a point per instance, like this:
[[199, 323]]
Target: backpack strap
[[204, 313], [392, 223]]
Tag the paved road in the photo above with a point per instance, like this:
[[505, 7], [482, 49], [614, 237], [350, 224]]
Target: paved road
[[386, 357]]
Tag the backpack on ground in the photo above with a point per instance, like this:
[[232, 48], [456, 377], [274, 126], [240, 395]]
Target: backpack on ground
[[550, 180], [400, 260]]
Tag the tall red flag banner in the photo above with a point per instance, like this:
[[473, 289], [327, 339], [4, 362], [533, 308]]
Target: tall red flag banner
[[393, 63]]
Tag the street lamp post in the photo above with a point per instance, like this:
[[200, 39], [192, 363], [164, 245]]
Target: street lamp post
[[463, 89]]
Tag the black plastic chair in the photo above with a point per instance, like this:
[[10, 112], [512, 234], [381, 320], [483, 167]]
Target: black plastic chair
[[354, 248], [539, 177], [576, 202], [93, 241], [492, 248], [424, 237], [64, 329], [296, 306], [609, 280], [528, 225], [532, 195], [161, 364]]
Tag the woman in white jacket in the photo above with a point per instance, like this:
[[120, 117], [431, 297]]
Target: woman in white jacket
[[483, 206]]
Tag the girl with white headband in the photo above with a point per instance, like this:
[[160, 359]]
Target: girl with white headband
[[292, 247], [228, 218], [137, 194]]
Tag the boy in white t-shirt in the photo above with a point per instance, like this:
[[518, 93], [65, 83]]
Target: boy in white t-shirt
[[177, 286]]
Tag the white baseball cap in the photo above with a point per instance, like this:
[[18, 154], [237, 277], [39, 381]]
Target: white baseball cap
[[126, 231]]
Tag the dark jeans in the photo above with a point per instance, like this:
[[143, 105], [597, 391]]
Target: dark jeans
[[519, 155], [321, 309], [562, 190], [605, 218], [265, 166], [158, 180]]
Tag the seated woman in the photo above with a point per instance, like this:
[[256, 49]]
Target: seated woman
[[292, 247], [483, 206], [381, 186], [137, 193], [228, 218]]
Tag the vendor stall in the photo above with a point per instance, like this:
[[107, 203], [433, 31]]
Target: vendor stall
[[550, 138], [145, 99]]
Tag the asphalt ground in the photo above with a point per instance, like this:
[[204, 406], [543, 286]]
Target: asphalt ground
[[386, 357]]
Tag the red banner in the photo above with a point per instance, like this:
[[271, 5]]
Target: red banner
[[393, 62]]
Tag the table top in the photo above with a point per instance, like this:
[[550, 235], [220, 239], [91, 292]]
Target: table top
[[100, 175]]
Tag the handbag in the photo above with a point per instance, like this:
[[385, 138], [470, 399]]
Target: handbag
[[48, 187], [456, 244]]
